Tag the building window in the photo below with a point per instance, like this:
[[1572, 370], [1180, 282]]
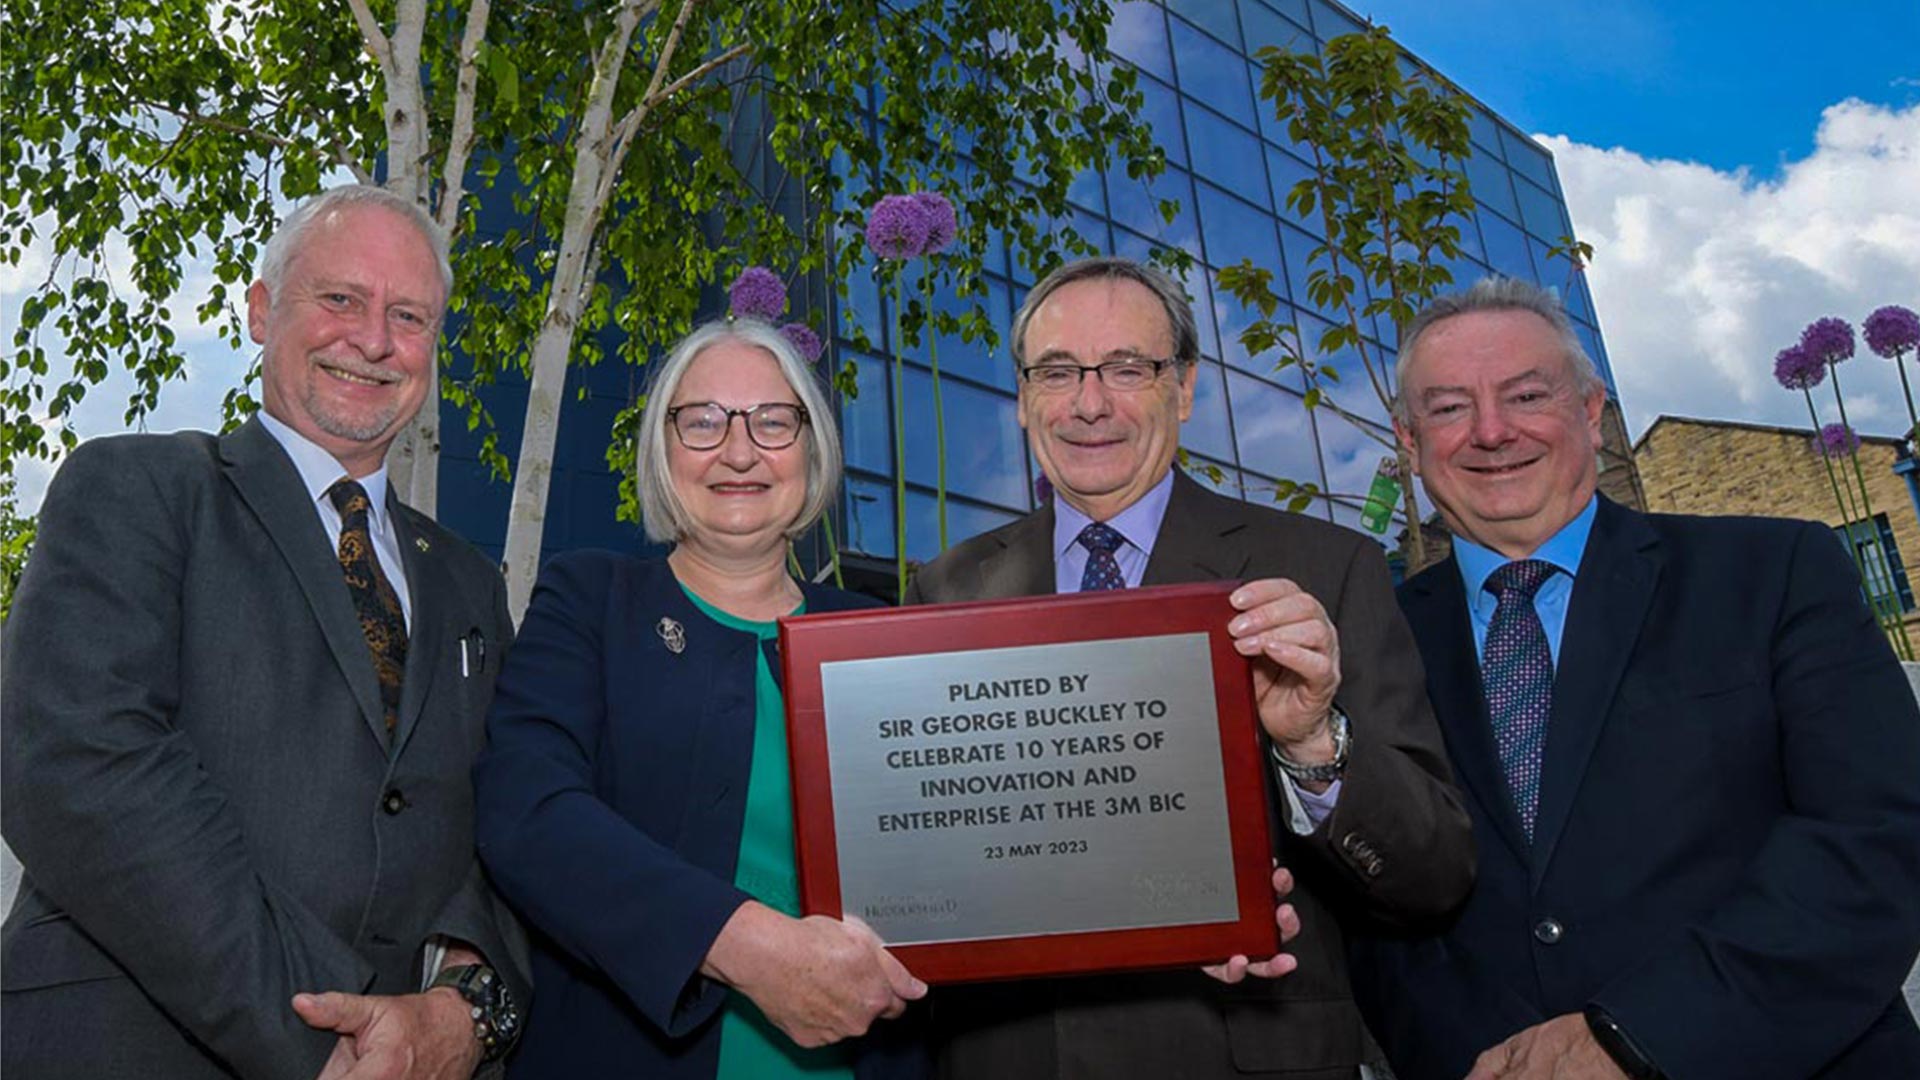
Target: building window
[[1885, 586]]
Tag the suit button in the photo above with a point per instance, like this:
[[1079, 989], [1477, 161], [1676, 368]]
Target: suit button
[[393, 801], [1356, 847], [1548, 931], [1374, 866]]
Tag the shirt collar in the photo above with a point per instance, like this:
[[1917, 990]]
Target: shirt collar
[[319, 470], [1137, 524], [1563, 549]]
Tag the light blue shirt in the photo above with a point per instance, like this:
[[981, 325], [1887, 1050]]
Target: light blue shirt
[[1139, 525], [1563, 549], [319, 471]]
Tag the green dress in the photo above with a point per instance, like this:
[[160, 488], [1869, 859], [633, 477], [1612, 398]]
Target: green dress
[[750, 1046]]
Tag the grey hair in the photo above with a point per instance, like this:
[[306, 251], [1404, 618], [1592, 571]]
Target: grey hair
[[1491, 294], [287, 238], [661, 510], [1171, 294]]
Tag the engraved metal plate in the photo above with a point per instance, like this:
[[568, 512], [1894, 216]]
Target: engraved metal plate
[[1046, 789]]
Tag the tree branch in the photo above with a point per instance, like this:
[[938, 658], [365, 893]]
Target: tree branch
[[453, 174], [658, 90], [374, 38]]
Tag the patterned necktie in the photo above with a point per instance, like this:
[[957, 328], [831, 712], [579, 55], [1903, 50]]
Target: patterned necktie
[[1103, 570], [381, 618], [1516, 670]]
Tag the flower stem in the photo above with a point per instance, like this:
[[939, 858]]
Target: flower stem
[[899, 453], [939, 419], [833, 549], [1842, 500], [1884, 602]]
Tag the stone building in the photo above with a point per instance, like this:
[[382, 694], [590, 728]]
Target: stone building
[[1689, 466]]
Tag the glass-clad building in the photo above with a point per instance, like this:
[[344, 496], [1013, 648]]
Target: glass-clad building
[[1230, 166]]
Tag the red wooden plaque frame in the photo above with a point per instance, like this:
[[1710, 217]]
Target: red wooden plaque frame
[[808, 641]]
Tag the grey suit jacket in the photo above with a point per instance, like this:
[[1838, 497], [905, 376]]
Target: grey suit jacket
[[1396, 851], [198, 779]]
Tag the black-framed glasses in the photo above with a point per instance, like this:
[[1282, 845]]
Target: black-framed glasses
[[703, 425], [1124, 375]]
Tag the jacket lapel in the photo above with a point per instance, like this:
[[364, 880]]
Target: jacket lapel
[[271, 487], [1197, 540], [429, 586], [1435, 603], [1024, 566], [1611, 595]]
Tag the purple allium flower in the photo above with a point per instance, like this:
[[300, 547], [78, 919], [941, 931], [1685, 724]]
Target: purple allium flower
[[942, 224], [1836, 440], [804, 340], [1042, 488], [1796, 370], [1829, 340], [758, 293], [1891, 330], [897, 227]]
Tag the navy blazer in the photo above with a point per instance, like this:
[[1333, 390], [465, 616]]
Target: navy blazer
[[610, 804], [1727, 853]]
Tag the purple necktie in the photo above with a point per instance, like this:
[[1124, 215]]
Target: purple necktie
[[1103, 570], [1516, 671]]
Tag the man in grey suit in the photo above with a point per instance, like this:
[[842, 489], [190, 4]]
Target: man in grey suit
[[1371, 827], [244, 686]]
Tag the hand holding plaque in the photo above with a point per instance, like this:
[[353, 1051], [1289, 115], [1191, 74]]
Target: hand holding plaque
[[1033, 787]]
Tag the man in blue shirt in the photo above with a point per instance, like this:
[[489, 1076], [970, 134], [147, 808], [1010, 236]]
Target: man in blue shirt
[[1372, 829], [1692, 762]]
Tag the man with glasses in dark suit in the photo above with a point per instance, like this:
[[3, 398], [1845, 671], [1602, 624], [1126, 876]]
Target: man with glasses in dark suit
[[1108, 357]]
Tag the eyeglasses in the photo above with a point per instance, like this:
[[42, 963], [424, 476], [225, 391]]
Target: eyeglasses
[[703, 425], [1123, 375]]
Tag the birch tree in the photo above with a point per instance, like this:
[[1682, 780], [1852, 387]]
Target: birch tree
[[647, 150]]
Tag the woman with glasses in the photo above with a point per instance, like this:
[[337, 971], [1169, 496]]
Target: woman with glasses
[[633, 802]]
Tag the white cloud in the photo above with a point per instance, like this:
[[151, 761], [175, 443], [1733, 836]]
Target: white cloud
[[1701, 276]]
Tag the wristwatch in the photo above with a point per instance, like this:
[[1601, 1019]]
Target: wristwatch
[[496, 1017], [1327, 771], [1620, 1046]]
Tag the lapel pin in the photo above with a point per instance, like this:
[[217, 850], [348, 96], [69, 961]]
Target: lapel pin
[[421, 543], [673, 634]]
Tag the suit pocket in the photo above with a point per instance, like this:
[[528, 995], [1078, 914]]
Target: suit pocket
[[1315, 1034], [51, 950], [1675, 684]]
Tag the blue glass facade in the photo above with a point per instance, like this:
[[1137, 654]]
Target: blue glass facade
[[1229, 168]]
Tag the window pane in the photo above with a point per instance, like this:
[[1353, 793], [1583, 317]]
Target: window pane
[[869, 520], [1226, 154], [1213, 73], [1136, 206], [1527, 158], [1264, 26], [1201, 469], [1491, 183], [1207, 430], [1330, 22], [1139, 33], [1236, 231], [1215, 16], [865, 426], [1286, 172], [1506, 246], [1541, 212], [986, 449], [1160, 111], [1272, 429], [964, 520]]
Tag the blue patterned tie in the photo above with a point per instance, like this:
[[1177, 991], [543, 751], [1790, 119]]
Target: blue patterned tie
[[1103, 570], [1516, 671]]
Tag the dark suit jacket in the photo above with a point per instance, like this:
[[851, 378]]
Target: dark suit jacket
[[198, 780], [1396, 847], [611, 802], [1729, 825]]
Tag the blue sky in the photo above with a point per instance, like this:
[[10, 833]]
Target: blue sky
[[1722, 83]]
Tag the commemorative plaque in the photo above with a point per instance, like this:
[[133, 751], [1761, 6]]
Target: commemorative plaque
[[1054, 785]]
